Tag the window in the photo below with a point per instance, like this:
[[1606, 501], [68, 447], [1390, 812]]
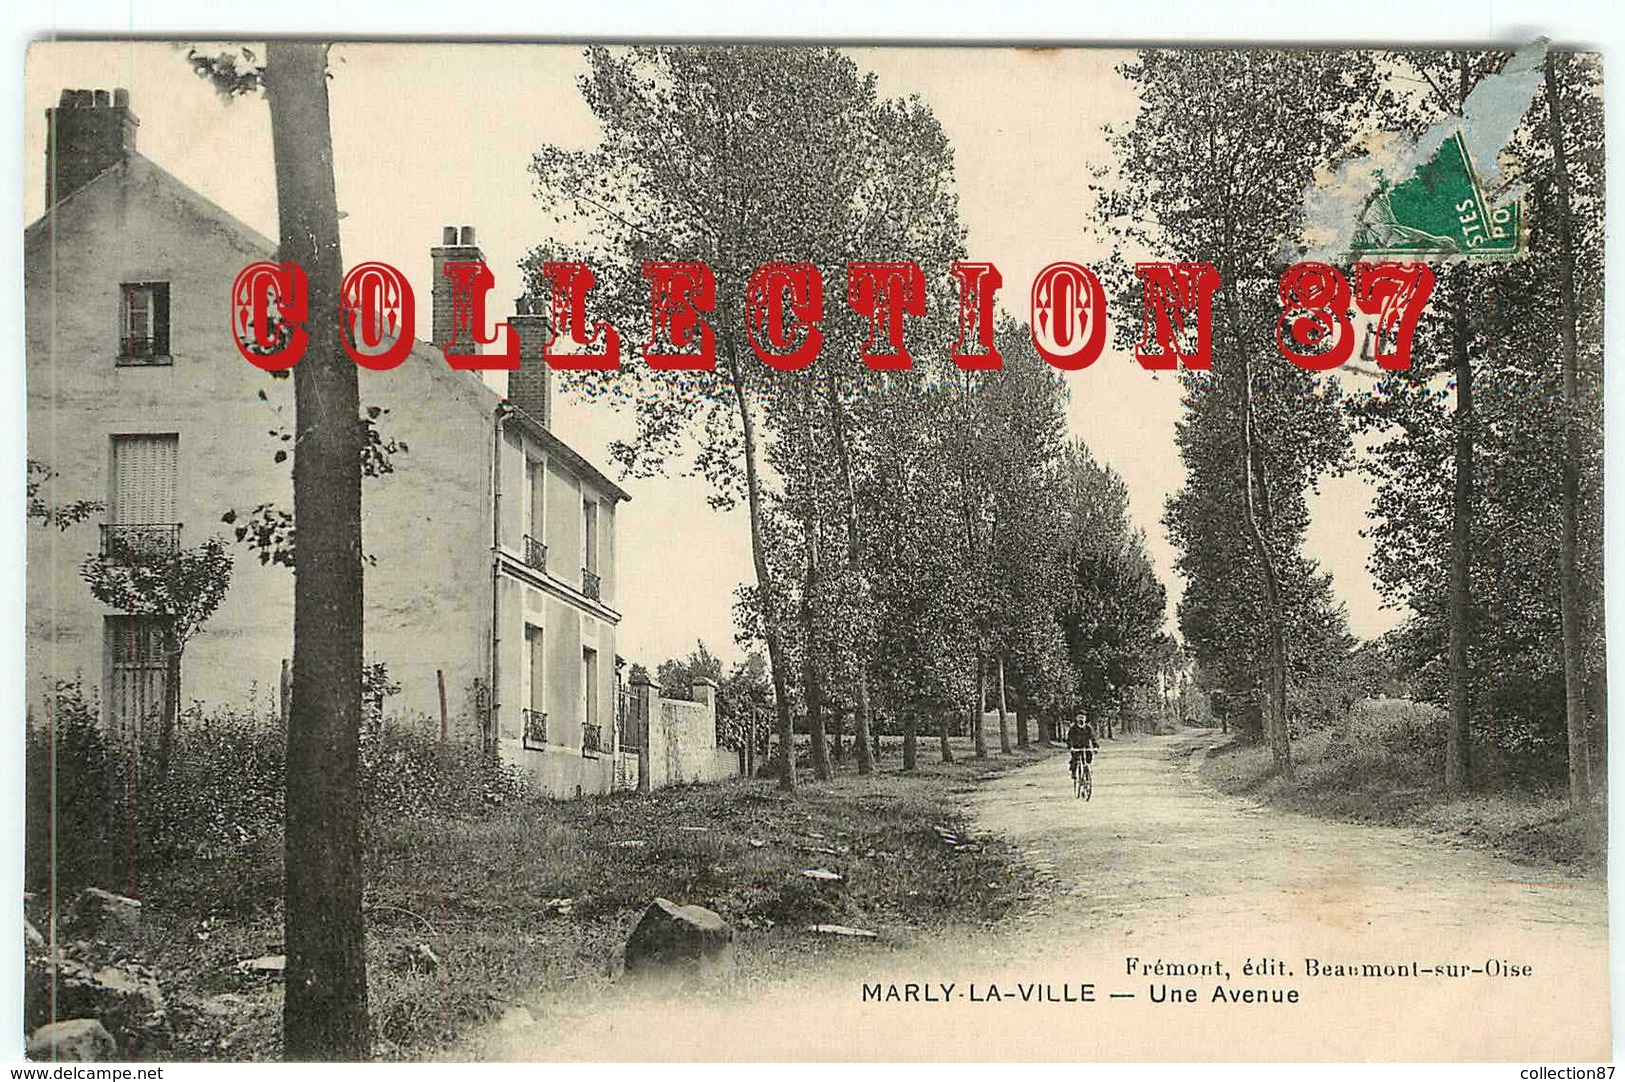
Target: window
[[138, 652], [591, 731], [535, 499], [589, 535], [533, 692], [144, 324], [591, 585], [141, 507]]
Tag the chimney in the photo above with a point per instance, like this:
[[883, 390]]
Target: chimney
[[456, 246], [87, 134], [530, 386]]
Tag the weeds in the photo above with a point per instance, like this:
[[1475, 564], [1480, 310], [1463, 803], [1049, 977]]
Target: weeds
[[1386, 764]]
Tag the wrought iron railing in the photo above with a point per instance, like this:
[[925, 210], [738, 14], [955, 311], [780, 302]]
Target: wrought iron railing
[[535, 729], [631, 718], [132, 540], [592, 737], [535, 553], [142, 351], [591, 584]]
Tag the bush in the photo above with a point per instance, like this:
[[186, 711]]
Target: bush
[[69, 785], [405, 771], [1392, 736], [98, 811]]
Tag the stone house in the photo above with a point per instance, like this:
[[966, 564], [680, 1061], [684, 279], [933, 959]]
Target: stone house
[[491, 544]]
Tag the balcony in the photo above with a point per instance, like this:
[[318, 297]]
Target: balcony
[[140, 540], [591, 584], [592, 738], [140, 352], [535, 554], [535, 729]]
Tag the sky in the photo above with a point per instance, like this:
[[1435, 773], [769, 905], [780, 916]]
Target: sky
[[432, 135]]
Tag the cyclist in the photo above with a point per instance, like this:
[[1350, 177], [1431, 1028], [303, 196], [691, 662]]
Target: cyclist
[[1081, 741]]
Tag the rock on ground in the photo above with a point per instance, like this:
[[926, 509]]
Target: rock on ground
[[676, 937], [101, 914], [78, 1039]]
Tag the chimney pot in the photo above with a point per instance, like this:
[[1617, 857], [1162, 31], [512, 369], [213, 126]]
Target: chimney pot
[[530, 387], [87, 134], [444, 316]]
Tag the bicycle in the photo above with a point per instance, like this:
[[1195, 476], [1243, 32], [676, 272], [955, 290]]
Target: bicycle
[[1083, 775]]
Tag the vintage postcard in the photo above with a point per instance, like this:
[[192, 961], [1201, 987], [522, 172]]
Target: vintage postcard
[[748, 552]]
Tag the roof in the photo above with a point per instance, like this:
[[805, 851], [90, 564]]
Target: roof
[[556, 446], [138, 167]]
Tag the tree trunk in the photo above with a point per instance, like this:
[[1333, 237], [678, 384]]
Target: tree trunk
[[1004, 715], [977, 731], [1022, 738], [818, 738], [325, 1008], [764, 579], [172, 711], [1458, 741], [1597, 709], [1569, 552], [837, 743], [911, 749], [811, 679], [861, 720], [1275, 718], [1458, 773], [942, 736]]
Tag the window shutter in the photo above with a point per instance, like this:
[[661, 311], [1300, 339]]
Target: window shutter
[[144, 472], [160, 319]]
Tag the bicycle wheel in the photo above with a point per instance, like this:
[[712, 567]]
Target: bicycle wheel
[[1077, 781], [1086, 782]]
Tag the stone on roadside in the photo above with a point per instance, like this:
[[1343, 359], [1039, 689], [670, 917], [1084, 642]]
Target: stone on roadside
[[31, 937], [823, 875], [671, 937], [124, 997], [134, 984], [266, 965], [81, 1040], [843, 930], [101, 914]]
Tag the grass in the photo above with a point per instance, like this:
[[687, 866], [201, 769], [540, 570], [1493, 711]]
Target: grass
[[1386, 767], [538, 895]]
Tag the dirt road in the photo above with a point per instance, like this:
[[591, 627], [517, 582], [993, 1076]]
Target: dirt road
[[1373, 943]]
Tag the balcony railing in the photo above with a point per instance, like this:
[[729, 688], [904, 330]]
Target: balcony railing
[[592, 738], [535, 554], [535, 729], [142, 351], [135, 540], [591, 584]]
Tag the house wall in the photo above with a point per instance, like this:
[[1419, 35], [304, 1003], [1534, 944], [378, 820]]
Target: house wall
[[428, 525], [552, 599], [562, 529], [561, 768]]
